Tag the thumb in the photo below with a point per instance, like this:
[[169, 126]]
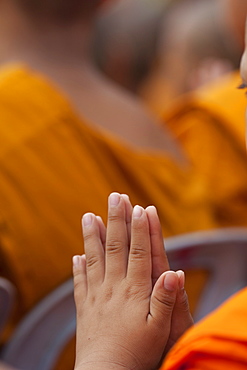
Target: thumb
[[163, 298], [181, 317], [182, 303]]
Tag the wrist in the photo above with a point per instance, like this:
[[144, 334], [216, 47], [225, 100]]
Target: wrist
[[107, 360]]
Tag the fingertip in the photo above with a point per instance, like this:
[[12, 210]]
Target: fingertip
[[114, 199], [102, 230], [170, 281], [100, 221], [154, 220], [76, 261], [151, 208], [87, 219], [128, 207], [79, 277], [125, 196], [181, 279], [137, 212]]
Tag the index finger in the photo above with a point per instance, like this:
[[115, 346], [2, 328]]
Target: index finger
[[116, 238]]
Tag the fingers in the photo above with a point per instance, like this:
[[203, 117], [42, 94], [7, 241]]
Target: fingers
[[80, 279], [139, 264], [102, 230], [128, 215], [93, 249], [116, 238], [159, 259], [163, 298]]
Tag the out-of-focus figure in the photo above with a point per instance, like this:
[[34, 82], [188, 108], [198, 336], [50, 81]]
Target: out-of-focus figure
[[125, 40], [193, 49]]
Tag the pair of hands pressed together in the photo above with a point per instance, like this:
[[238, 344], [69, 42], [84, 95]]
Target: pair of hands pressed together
[[130, 308]]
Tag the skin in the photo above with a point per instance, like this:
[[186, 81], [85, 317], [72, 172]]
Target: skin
[[130, 307]]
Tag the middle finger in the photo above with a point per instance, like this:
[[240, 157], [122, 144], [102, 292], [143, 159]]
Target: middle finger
[[116, 238]]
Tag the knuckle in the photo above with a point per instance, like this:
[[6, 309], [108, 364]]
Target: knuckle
[[128, 293], [138, 252], [135, 293], [139, 288], [183, 301], [87, 236], [114, 246], [167, 300], [92, 260], [108, 294], [114, 217]]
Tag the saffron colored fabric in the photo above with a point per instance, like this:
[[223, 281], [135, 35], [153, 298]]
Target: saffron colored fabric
[[218, 342], [210, 125]]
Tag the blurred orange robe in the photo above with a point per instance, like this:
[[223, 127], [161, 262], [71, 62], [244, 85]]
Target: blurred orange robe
[[218, 342], [210, 125], [54, 167]]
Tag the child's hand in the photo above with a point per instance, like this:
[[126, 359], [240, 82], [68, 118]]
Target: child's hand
[[123, 321]]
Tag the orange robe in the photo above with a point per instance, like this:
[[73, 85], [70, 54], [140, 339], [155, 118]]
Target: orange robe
[[54, 167], [210, 125], [218, 342]]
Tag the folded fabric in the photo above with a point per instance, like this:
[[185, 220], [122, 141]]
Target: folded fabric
[[218, 342]]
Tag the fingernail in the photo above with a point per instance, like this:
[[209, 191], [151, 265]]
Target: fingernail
[[181, 279], [99, 218], [87, 219], [76, 261], [152, 207], [170, 281], [137, 212], [114, 199]]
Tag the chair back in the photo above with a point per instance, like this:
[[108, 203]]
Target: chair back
[[42, 335], [222, 252]]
